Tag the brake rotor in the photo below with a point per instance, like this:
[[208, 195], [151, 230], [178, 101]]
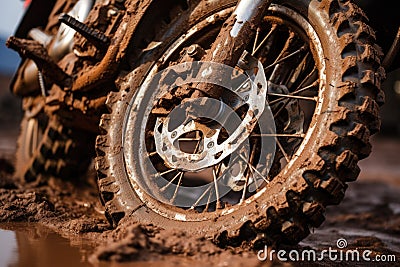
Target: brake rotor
[[251, 92]]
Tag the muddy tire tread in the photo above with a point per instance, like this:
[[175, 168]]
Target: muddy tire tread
[[61, 153], [327, 174]]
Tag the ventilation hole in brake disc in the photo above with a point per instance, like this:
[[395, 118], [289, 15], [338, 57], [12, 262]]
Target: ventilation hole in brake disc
[[216, 156], [164, 147], [223, 135], [159, 128], [174, 158], [191, 142]]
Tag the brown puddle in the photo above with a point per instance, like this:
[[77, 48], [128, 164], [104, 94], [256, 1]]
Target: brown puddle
[[34, 245], [30, 244]]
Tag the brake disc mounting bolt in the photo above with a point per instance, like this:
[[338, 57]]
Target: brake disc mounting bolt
[[112, 12], [210, 145], [195, 51], [173, 134]]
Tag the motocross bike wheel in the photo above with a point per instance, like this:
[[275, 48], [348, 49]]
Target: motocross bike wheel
[[45, 146], [322, 58]]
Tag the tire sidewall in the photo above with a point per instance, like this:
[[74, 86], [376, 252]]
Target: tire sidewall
[[289, 179]]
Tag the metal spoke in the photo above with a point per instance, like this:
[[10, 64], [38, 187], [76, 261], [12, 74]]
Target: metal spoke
[[255, 41], [177, 187], [216, 189], [255, 182], [208, 201], [246, 183], [162, 189], [151, 154], [254, 169], [295, 96], [273, 27], [252, 155], [205, 191], [200, 198], [295, 92], [185, 139], [308, 76], [197, 145], [279, 135], [162, 173], [219, 169], [286, 57], [283, 151]]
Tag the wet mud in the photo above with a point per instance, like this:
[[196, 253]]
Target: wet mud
[[367, 219]]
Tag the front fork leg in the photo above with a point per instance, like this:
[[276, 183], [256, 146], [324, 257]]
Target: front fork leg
[[234, 36]]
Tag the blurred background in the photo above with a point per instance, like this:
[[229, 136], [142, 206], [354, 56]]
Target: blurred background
[[11, 12]]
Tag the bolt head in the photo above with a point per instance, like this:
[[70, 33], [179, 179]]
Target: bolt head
[[191, 50]]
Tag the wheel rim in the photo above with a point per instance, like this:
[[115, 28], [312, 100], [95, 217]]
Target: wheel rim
[[32, 132], [310, 88], [31, 138]]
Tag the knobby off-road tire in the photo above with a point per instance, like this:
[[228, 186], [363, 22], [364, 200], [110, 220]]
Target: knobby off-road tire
[[317, 176], [46, 148]]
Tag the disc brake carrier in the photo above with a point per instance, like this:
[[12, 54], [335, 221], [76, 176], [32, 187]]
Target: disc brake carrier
[[252, 92]]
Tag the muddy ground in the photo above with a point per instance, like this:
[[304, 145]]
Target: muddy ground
[[368, 219]]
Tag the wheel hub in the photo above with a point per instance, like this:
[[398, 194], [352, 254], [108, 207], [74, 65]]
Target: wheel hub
[[251, 92]]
